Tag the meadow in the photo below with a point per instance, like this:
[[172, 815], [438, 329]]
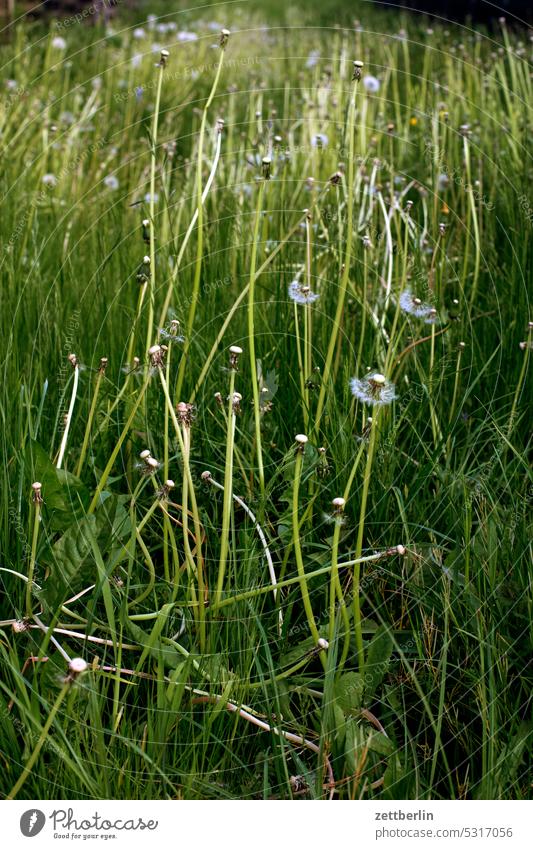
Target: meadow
[[265, 500]]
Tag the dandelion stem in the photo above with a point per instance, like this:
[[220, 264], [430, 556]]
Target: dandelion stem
[[151, 282], [68, 418], [359, 544], [199, 230], [33, 557], [346, 267], [251, 338], [90, 418], [228, 489], [298, 551]]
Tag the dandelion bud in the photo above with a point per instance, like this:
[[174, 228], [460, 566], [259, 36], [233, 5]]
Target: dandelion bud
[[400, 549], [335, 178], [146, 260], [185, 413], [170, 484], [206, 476], [220, 125], [77, 666], [461, 346], [367, 242], [338, 503], [301, 440], [357, 70], [266, 165], [219, 399], [37, 492], [156, 354], [224, 37], [19, 626], [164, 58], [234, 354], [73, 360], [103, 364], [322, 644], [152, 463], [442, 228], [144, 454]]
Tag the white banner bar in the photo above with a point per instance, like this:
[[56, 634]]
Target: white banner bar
[[267, 825]]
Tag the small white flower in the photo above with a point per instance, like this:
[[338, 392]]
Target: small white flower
[[11, 85], [183, 35], [139, 33], [111, 181], [312, 59], [319, 140], [371, 84], [148, 197], [414, 306], [50, 179], [59, 43], [301, 294], [374, 389]]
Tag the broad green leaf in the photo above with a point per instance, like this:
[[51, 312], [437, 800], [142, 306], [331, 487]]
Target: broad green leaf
[[377, 663]]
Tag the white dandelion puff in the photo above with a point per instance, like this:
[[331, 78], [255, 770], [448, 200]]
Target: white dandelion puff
[[413, 305], [319, 140], [374, 389], [50, 180], [301, 294], [111, 182], [371, 84], [59, 43]]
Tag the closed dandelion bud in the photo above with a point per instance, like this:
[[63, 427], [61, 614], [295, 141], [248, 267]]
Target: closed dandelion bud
[[146, 230], [224, 37], [37, 492], [219, 125], [144, 454], [301, 441], [442, 228], [206, 476], [234, 354], [73, 360], [400, 549], [156, 354], [164, 58], [357, 70], [152, 464], [266, 164], [103, 364], [77, 666], [322, 644], [219, 399], [335, 178]]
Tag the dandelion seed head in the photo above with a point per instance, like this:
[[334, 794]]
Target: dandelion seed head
[[374, 389], [302, 294], [111, 182], [59, 43], [77, 665], [412, 305], [371, 84]]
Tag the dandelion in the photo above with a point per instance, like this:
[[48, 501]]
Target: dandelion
[[172, 334], [301, 294], [374, 389], [59, 43], [432, 316], [111, 182], [371, 84], [319, 140], [414, 306], [50, 180]]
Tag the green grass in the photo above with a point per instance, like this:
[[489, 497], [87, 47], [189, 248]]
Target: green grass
[[403, 675]]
